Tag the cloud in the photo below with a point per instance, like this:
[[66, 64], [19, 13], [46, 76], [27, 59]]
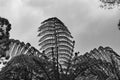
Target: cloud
[[38, 3], [90, 25]]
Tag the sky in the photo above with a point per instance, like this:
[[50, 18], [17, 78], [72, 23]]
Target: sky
[[90, 25]]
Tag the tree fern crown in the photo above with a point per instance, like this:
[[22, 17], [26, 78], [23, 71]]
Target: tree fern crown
[[54, 34]]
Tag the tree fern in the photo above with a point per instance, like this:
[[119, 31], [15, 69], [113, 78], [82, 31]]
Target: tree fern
[[53, 33], [56, 42]]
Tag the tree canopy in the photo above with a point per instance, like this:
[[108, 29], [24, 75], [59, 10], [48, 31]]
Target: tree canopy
[[110, 4]]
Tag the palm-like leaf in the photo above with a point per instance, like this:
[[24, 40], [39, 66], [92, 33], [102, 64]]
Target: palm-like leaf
[[103, 63], [25, 67], [15, 48]]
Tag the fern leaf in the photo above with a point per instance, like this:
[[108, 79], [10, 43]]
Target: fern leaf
[[46, 37]]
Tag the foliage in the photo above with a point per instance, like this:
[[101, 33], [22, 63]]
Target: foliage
[[57, 61], [24, 67], [110, 4], [56, 43], [54, 34], [119, 25]]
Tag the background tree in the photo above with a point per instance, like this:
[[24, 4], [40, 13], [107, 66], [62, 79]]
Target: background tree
[[110, 4]]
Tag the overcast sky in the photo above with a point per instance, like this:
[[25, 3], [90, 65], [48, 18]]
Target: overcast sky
[[90, 25]]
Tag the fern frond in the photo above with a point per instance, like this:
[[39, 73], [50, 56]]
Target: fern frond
[[63, 33], [46, 45], [65, 43], [51, 40], [54, 34], [65, 47], [46, 32], [47, 36], [65, 38]]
